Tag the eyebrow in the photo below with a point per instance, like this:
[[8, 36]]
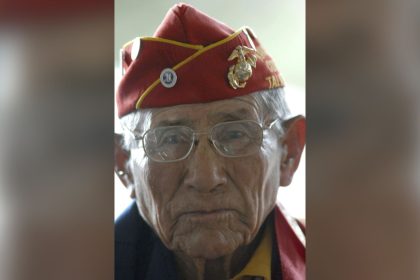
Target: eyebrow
[[177, 122], [240, 114]]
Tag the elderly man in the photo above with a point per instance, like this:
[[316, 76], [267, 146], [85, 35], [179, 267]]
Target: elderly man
[[206, 145]]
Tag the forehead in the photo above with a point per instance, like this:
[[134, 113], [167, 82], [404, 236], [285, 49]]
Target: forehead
[[243, 108]]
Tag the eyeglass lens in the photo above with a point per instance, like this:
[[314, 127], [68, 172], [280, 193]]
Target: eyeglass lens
[[231, 139]]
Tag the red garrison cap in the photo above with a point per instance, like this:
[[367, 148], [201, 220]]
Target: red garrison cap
[[192, 58]]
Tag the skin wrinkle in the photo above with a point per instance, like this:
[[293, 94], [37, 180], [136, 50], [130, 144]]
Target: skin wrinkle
[[224, 235], [154, 214], [248, 187], [226, 264], [258, 205], [242, 217], [166, 239], [168, 206], [194, 207], [190, 270], [247, 197]]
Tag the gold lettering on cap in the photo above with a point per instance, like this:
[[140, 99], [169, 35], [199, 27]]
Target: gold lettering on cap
[[274, 81], [261, 53]]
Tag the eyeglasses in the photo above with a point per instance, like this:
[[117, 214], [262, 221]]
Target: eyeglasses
[[230, 139]]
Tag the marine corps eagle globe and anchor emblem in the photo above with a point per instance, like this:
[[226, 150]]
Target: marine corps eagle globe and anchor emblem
[[240, 72]]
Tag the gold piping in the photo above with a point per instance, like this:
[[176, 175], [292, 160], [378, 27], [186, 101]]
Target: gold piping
[[172, 42], [126, 44], [167, 41], [185, 61]]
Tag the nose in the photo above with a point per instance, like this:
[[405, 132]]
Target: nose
[[206, 170]]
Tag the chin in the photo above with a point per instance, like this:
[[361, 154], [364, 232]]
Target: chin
[[209, 244]]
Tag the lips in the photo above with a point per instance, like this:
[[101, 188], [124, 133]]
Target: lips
[[204, 208], [209, 216]]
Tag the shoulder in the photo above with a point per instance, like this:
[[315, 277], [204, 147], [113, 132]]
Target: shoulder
[[284, 222], [290, 241], [133, 245], [139, 253], [129, 225]]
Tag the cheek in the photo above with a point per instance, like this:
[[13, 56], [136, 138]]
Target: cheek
[[155, 187], [257, 179], [271, 179]]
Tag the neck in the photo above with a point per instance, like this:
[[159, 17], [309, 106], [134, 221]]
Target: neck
[[222, 268]]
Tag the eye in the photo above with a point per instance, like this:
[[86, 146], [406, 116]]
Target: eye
[[171, 139], [233, 134], [236, 134]]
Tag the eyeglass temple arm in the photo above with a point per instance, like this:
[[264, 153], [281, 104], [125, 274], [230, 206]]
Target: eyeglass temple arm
[[270, 125]]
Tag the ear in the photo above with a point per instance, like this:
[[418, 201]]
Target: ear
[[120, 164], [293, 143]]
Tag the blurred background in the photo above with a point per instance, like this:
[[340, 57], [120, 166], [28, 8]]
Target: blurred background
[[362, 97], [56, 145], [280, 27], [363, 70]]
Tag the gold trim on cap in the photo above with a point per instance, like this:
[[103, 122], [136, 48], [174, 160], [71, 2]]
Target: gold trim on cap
[[176, 43], [187, 60], [167, 41]]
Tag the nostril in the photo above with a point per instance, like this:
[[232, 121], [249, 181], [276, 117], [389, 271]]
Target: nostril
[[217, 189], [206, 188]]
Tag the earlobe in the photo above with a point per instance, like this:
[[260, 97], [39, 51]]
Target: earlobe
[[287, 171], [293, 143], [120, 164]]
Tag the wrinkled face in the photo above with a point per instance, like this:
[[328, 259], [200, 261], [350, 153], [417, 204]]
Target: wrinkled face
[[207, 205]]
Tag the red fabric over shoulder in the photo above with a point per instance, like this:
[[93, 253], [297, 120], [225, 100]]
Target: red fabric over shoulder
[[291, 248]]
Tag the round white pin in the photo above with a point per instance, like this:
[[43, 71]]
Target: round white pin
[[135, 48], [168, 77]]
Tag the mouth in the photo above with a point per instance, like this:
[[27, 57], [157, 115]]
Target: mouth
[[209, 216]]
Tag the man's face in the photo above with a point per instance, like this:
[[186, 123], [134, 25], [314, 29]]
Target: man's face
[[208, 205]]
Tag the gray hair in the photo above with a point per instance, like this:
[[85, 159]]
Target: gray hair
[[270, 103]]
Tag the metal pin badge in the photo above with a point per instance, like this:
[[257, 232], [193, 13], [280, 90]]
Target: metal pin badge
[[168, 77]]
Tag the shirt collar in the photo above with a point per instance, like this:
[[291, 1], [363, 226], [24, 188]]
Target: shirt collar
[[260, 263]]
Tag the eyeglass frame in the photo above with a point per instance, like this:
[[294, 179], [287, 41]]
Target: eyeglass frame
[[195, 140]]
